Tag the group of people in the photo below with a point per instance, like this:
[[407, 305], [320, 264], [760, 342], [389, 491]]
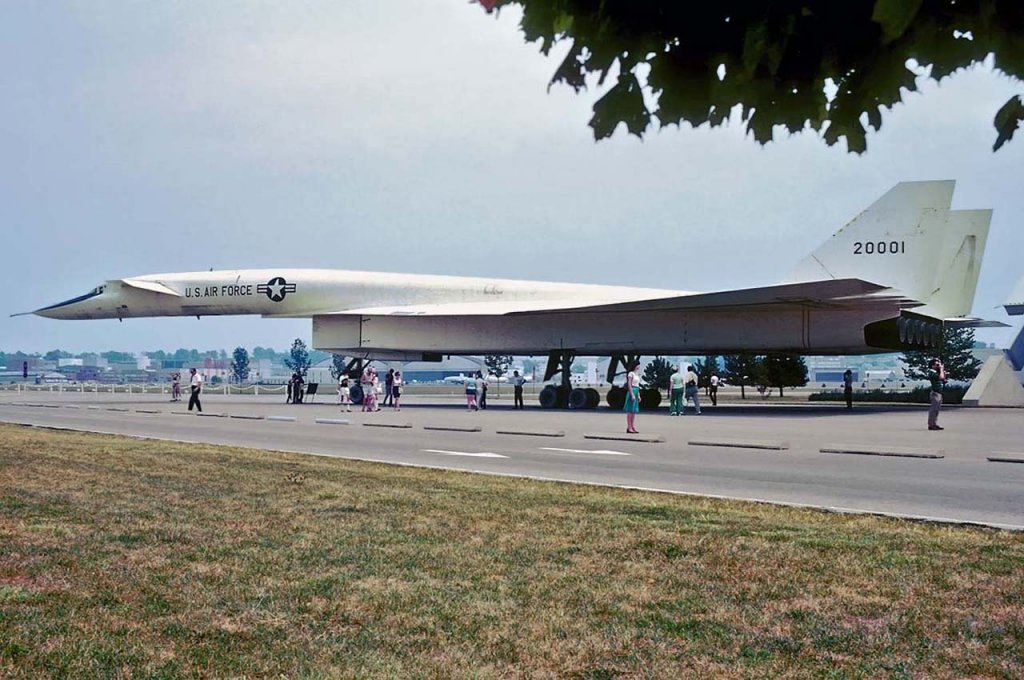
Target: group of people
[[295, 384], [476, 392], [683, 387], [391, 390], [195, 388], [936, 382]]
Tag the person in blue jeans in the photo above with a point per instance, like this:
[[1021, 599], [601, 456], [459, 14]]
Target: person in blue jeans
[[691, 391], [675, 392]]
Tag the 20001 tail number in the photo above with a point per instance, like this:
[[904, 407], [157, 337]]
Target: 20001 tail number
[[879, 247]]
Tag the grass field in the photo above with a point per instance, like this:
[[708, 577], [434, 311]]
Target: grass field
[[127, 558]]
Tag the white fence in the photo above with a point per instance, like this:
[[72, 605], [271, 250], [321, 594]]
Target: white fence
[[98, 388]]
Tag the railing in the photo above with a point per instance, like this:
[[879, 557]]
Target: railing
[[131, 388]]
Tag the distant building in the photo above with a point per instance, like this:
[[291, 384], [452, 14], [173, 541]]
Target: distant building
[[833, 376]]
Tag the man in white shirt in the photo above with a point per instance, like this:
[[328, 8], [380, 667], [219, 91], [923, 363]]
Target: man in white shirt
[[517, 385], [713, 390], [197, 387]]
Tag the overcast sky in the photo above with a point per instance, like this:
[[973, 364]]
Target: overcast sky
[[405, 136]]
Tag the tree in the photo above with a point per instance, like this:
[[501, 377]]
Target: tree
[[819, 64], [259, 353], [955, 354], [782, 369], [657, 373], [742, 370], [338, 365], [298, 358], [498, 364], [118, 357], [705, 368], [56, 354], [240, 364]]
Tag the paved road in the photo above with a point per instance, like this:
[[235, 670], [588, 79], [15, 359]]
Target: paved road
[[962, 485]]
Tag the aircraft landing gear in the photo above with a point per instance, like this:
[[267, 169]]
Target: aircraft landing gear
[[616, 397], [584, 397], [558, 396]]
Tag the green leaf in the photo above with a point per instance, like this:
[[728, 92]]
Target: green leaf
[[1007, 120], [894, 16], [624, 103]]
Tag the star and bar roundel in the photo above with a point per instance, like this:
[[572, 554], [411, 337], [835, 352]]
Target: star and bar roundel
[[276, 288]]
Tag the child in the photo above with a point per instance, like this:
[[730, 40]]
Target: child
[[345, 395]]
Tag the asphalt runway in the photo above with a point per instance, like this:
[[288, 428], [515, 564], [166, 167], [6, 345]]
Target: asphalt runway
[[943, 476]]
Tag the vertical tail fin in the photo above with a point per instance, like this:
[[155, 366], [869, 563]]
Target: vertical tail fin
[[911, 241]]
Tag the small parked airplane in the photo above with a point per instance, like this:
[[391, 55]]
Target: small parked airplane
[[888, 280]]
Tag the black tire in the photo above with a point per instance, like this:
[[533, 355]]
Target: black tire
[[593, 397], [616, 397], [650, 399], [356, 394], [548, 397], [578, 398]]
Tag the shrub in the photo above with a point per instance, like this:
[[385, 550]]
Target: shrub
[[918, 395]]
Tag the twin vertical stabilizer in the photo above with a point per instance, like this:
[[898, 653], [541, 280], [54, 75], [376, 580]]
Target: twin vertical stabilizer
[[911, 241]]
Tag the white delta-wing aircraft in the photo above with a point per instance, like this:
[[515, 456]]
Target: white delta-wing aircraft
[[888, 280]]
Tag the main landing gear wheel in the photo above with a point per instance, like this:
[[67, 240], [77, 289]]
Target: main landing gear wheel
[[355, 393], [616, 397], [553, 396], [650, 399], [584, 397]]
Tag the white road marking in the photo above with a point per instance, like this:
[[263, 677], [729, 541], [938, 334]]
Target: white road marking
[[482, 454], [600, 452]]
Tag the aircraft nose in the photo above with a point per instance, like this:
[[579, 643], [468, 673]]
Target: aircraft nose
[[70, 309]]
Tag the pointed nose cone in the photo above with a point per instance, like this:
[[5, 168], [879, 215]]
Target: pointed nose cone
[[75, 308]]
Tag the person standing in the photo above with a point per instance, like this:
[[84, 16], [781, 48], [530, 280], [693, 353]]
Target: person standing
[[713, 389], [675, 392], [481, 390], [176, 386], [632, 406], [848, 387], [389, 383], [345, 394], [517, 389], [937, 377], [196, 385], [396, 390], [297, 383], [375, 390], [366, 382], [471, 394], [691, 390]]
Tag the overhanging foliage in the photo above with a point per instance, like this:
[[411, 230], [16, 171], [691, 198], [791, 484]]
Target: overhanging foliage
[[673, 62]]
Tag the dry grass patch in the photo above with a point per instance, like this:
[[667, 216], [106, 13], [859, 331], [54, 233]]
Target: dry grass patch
[[121, 557]]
